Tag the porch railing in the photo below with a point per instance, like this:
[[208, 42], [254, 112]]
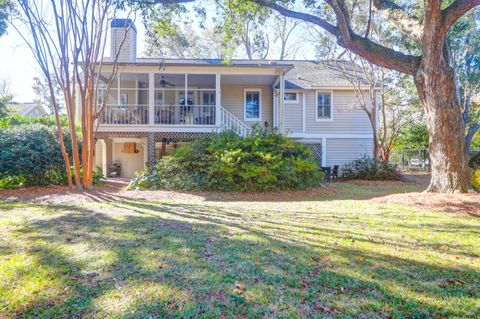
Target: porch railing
[[185, 114], [125, 114], [232, 123]]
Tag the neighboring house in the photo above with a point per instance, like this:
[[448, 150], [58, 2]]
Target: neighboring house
[[156, 104], [33, 109]]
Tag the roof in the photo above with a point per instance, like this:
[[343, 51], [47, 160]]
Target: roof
[[311, 74], [208, 62], [123, 23], [299, 74], [29, 109]]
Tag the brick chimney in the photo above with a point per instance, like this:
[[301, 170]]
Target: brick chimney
[[128, 50]]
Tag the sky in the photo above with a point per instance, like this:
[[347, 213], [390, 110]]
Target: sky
[[18, 66]]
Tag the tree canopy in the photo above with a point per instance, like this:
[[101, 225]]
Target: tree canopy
[[4, 13]]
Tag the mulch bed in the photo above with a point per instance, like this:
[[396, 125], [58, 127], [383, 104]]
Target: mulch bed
[[452, 203]]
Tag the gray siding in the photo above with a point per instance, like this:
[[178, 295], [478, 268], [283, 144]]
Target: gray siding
[[348, 117], [340, 151], [233, 100], [294, 115]]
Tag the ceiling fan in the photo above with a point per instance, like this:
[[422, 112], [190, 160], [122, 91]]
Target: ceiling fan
[[164, 83]]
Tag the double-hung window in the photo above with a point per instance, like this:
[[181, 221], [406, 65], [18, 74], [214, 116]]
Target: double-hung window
[[324, 106], [252, 105]]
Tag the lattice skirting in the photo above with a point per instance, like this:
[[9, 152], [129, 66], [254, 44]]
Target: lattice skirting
[[317, 152]]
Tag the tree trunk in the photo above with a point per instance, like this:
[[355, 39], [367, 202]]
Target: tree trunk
[[448, 155]]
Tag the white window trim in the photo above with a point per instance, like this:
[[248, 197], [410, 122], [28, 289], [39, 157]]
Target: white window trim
[[316, 106], [259, 119], [296, 101]]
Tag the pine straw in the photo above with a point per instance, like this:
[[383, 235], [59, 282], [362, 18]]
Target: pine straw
[[405, 193]]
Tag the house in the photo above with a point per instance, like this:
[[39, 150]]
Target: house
[[154, 105], [33, 109]]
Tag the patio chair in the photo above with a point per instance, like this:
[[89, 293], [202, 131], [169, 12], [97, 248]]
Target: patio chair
[[335, 172], [327, 171]]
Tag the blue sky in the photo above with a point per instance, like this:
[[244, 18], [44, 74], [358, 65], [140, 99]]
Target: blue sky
[[18, 65]]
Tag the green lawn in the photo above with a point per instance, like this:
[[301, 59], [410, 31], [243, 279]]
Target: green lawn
[[329, 256]]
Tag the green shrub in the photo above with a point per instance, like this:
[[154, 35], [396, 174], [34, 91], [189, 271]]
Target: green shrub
[[370, 169], [474, 161], [262, 161], [476, 179], [97, 177], [30, 155], [16, 119]]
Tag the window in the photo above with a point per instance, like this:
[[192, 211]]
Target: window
[[290, 97], [324, 105], [208, 98], [252, 105]]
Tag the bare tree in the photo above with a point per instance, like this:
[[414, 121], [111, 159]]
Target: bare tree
[[68, 40], [283, 29], [183, 42]]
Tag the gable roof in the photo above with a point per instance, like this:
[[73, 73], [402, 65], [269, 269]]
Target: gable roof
[[317, 74], [29, 109]]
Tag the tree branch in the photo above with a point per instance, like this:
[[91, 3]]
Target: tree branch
[[151, 2], [366, 48], [299, 15], [399, 18], [455, 11]]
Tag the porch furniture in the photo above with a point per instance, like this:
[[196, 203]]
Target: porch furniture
[[327, 171], [335, 172], [114, 170], [165, 115], [415, 162]]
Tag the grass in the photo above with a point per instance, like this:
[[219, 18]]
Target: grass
[[334, 256]]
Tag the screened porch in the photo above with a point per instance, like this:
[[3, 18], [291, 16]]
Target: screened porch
[[161, 99]]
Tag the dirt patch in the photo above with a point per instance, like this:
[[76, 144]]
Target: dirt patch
[[108, 193], [413, 197], [451, 203], [60, 195], [420, 179]]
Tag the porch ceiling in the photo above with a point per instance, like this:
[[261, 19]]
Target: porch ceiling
[[248, 79]]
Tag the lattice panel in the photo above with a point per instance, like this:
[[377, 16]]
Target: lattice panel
[[151, 150], [317, 152], [179, 136]]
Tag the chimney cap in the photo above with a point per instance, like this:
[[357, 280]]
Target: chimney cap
[[123, 23]]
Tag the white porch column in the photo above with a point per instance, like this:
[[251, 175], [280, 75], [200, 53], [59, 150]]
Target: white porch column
[[324, 151], [218, 98], [151, 98], [281, 102]]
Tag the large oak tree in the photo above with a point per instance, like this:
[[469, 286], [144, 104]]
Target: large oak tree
[[431, 69]]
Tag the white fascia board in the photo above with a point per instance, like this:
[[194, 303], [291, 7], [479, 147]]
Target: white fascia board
[[329, 135], [158, 128]]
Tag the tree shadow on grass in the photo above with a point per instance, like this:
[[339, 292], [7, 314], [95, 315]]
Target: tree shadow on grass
[[182, 260]]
